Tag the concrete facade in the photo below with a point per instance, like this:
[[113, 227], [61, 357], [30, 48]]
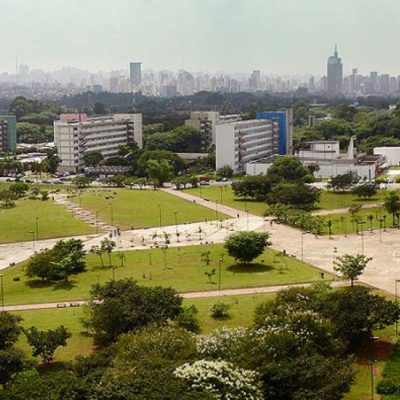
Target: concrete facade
[[74, 138], [242, 142], [391, 155], [206, 122]]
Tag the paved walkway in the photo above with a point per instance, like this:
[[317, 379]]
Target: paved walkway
[[187, 295]]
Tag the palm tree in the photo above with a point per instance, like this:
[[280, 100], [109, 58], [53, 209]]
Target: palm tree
[[107, 246]]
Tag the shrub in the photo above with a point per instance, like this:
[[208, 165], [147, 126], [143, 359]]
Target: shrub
[[220, 310], [389, 385]]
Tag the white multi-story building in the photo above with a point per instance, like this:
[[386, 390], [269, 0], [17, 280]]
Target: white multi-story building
[[75, 135], [240, 143], [206, 122]]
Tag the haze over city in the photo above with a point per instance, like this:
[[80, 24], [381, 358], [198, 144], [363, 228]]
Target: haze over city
[[277, 37]]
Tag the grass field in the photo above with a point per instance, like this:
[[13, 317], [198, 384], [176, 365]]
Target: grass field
[[342, 223], [17, 223], [329, 200], [141, 208], [242, 312], [183, 271]]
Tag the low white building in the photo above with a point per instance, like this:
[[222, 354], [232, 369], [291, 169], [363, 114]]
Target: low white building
[[242, 142], [75, 135], [391, 155]]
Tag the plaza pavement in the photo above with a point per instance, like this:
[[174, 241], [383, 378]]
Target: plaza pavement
[[381, 272]]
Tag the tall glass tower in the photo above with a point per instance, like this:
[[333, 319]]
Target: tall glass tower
[[335, 74]]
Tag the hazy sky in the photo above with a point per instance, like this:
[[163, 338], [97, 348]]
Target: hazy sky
[[275, 36]]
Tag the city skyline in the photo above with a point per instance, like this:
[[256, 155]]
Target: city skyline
[[232, 36]]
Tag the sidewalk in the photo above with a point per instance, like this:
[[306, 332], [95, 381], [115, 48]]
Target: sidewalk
[[187, 295]]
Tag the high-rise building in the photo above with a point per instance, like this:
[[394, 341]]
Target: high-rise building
[[243, 142], [8, 133], [334, 74], [255, 81], [76, 135], [135, 73]]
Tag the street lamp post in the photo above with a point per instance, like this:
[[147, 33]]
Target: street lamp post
[[302, 244], [112, 214], [176, 221], [333, 262], [247, 216], [219, 273], [216, 210], [113, 272], [37, 228], [221, 193], [160, 215], [384, 223], [380, 229], [33, 240]]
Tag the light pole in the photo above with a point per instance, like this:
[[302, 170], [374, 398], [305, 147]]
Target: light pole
[[33, 240], [333, 262], [201, 191], [37, 228], [380, 229], [219, 273], [2, 290], [160, 216], [112, 214], [371, 361], [113, 272], [216, 210], [220, 188], [176, 221], [247, 216]]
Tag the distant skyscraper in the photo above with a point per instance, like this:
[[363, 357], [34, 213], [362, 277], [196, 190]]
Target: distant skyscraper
[[135, 73], [335, 75], [255, 81]]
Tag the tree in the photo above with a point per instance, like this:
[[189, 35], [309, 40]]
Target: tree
[[343, 181], [252, 187], [12, 360], [18, 189], [98, 250], [107, 246], [392, 204], [92, 158], [116, 314], [82, 181], [351, 266], [287, 168], [99, 109], [178, 165], [7, 198], [50, 163], [65, 258], [225, 172], [246, 246], [159, 172], [365, 190], [45, 343], [294, 194]]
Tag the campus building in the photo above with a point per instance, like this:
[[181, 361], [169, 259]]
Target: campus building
[[206, 122], [8, 133], [243, 142], [76, 134]]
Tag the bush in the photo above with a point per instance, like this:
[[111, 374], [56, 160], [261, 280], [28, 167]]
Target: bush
[[389, 385], [220, 310], [16, 279], [188, 319]]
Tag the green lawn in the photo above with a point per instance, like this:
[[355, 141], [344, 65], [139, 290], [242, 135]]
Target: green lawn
[[329, 200], [79, 343], [242, 312], [342, 223], [333, 200], [130, 208], [225, 193], [17, 223], [184, 271]]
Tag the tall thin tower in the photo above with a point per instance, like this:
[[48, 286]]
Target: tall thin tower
[[334, 74]]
